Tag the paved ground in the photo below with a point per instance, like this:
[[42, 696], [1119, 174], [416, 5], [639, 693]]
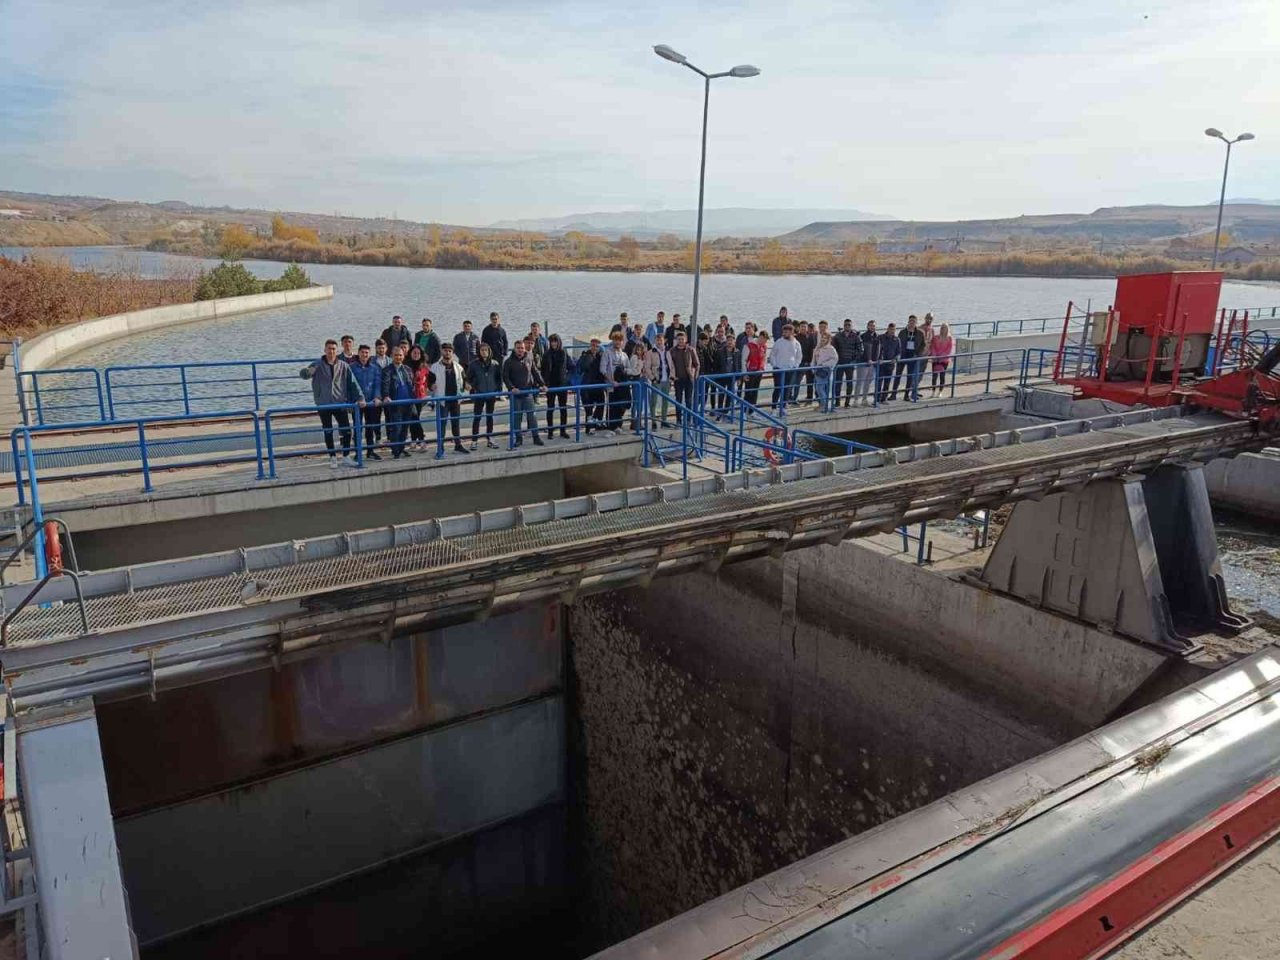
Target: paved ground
[[1236, 918]]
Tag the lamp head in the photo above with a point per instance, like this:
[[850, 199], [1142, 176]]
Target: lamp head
[[1214, 132], [666, 53], [1245, 136], [744, 70]]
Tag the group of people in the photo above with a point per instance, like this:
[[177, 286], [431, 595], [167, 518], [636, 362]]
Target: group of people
[[404, 370]]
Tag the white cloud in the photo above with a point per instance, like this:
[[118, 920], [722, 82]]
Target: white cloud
[[472, 113]]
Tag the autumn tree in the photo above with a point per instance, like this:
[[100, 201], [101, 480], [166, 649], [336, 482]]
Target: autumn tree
[[281, 230], [235, 240]]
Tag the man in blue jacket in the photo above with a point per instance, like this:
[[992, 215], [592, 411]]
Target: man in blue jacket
[[397, 387], [333, 383], [369, 376]]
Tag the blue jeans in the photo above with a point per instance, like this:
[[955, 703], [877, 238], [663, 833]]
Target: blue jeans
[[523, 405], [822, 381]]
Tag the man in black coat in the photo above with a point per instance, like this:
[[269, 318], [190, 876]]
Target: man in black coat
[[495, 337], [848, 344]]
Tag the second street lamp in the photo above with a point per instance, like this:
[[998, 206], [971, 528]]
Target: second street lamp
[[1222, 197], [742, 71]]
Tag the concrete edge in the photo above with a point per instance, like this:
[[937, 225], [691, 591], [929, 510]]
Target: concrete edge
[[53, 346]]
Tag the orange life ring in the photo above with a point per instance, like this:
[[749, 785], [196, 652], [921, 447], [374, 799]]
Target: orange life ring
[[770, 436], [52, 549]]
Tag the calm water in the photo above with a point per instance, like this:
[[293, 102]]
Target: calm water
[[570, 303]]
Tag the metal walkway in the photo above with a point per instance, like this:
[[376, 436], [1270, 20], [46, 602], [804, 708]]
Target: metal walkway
[[152, 623]]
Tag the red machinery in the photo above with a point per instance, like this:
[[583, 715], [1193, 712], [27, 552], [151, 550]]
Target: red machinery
[[1165, 342]]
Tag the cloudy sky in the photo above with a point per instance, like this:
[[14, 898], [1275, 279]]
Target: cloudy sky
[[467, 112]]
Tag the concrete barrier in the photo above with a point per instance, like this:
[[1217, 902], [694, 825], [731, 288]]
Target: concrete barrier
[[1247, 483], [52, 348]]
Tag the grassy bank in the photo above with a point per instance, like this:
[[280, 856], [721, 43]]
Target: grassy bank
[[37, 294], [463, 250]]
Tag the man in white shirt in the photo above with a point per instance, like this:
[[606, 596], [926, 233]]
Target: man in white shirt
[[784, 358]]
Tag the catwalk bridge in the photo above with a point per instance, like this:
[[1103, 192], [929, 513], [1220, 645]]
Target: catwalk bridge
[[145, 625]]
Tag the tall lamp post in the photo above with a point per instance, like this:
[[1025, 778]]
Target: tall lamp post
[[742, 70], [1222, 197]]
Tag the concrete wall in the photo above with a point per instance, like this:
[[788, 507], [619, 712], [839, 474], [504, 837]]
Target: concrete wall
[[1016, 341], [98, 549], [720, 733], [447, 748], [1249, 483], [52, 349]]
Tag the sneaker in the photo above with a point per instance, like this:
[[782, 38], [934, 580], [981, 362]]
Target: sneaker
[[473, 445], [333, 462], [491, 445], [564, 434], [538, 441], [371, 455], [459, 448], [520, 441]]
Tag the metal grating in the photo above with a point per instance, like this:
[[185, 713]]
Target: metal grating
[[308, 577]]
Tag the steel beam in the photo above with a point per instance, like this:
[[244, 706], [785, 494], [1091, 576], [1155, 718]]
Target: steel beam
[[71, 835]]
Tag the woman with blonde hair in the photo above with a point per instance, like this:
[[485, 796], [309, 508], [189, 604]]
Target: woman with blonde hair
[[941, 349]]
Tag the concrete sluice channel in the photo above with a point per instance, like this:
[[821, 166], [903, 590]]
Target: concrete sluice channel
[[568, 776]]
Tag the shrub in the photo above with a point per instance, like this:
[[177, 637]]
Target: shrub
[[227, 280]]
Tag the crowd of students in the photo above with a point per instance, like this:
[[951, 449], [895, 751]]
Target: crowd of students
[[405, 370]]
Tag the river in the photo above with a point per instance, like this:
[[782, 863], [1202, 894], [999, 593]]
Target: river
[[576, 303]]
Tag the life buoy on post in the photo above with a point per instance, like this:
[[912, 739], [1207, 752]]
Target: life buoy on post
[[771, 436], [52, 549]]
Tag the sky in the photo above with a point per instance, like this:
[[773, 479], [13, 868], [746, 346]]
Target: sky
[[471, 112]]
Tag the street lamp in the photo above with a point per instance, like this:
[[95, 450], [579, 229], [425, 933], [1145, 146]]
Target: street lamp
[[742, 71], [1222, 197]]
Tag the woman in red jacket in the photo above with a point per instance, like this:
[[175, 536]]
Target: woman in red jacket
[[754, 353]]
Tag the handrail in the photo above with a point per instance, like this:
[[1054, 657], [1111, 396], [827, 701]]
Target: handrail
[[26, 601], [35, 532]]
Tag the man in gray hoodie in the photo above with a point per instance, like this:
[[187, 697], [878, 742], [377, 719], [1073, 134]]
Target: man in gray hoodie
[[332, 382]]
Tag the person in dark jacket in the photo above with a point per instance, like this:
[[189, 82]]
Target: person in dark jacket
[[397, 334], [848, 346], [332, 382], [369, 376], [465, 345], [890, 349], [522, 379], [397, 391], [429, 341], [684, 371], [495, 337], [910, 360], [719, 361], [869, 369], [676, 326], [589, 375], [780, 321], [808, 338], [557, 371], [484, 374]]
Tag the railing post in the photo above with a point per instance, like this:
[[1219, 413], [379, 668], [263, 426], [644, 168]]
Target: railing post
[[920, 552], [271, 454], [439, 412], [142, 452], [357, 426], [186, 396], [257, 443], [35, 384], [253, 370], [17, 465], [987, 387], [511, 419], [111, 406], [97, 382]]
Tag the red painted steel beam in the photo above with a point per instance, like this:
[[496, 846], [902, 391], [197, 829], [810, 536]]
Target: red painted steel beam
[[1096, 923]]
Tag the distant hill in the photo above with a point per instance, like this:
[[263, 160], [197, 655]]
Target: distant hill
[[60, 220], [1246, 222], [722, 222]]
